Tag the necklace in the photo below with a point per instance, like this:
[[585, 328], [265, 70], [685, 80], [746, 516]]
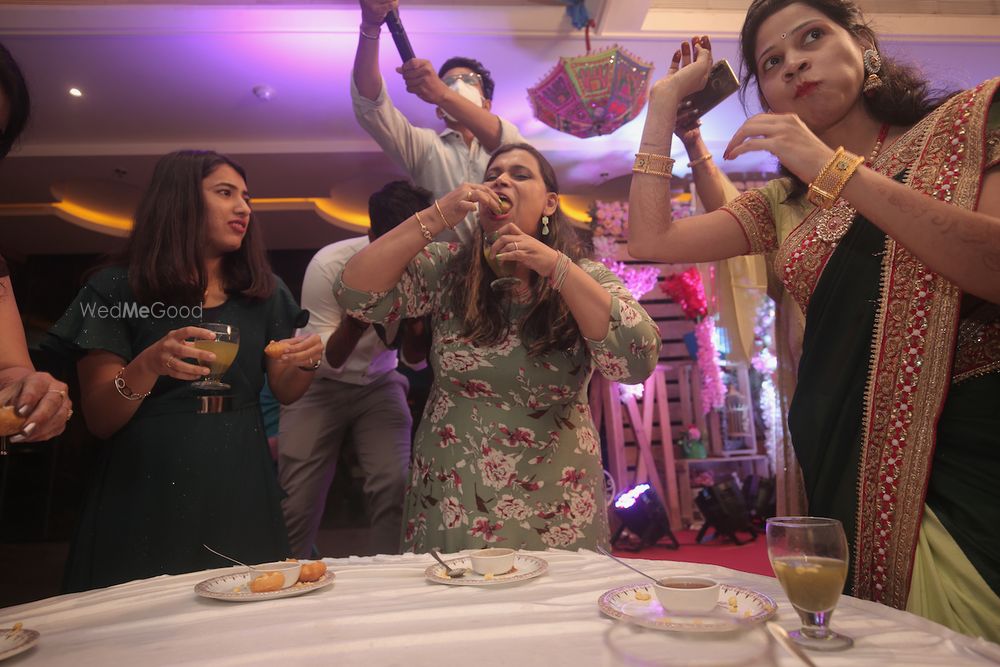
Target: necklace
[[833, 223]]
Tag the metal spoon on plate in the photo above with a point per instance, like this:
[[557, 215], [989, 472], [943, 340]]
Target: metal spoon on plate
[[450, 572]]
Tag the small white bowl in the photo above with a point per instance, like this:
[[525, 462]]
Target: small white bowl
[[687, 595], [492, 561], [289, 570]]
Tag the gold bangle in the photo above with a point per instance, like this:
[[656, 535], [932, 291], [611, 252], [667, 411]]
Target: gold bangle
[[423, 228], [653, 164], [704, 158], [374, 37], [441, 213], [825, 189], [124, 389]]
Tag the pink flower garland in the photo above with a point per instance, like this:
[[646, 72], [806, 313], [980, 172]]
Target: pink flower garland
[[687, 291]]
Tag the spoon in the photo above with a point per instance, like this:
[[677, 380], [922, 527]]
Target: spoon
[[225, 556], [779, 633], [608, 554], [451, 572]]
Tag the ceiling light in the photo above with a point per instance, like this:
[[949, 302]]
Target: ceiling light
[[265, 93], [76, 92]]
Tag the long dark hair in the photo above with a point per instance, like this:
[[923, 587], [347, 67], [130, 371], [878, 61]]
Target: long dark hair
[[548, 324], [165, 252], [15, 89], [905, 95]]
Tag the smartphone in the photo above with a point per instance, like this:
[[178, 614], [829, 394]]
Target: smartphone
[[399, 36], [722, 83]]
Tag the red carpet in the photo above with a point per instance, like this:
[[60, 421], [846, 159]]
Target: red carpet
[[748, 557]]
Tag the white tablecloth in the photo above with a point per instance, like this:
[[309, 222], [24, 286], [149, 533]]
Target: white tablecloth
[[381, 611]]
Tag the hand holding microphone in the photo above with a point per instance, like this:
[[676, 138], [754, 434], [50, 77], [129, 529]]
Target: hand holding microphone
[[399, 35]]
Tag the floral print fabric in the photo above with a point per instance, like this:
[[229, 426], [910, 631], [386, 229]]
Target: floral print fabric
[[507, 453]]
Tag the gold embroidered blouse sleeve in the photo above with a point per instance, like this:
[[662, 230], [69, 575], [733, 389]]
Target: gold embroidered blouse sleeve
[[754, 210]]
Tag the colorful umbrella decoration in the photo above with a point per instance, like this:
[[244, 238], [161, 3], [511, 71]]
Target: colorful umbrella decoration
[[593, 94]]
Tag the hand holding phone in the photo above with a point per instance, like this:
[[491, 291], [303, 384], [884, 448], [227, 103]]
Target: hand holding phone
[[399, 36], [722, 83]]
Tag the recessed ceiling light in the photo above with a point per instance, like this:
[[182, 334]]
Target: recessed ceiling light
[[76, 92], [264, 92]]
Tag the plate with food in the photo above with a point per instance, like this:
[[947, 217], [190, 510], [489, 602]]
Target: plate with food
[[268, 581], [16, 640], [736, 609], [524, 567]]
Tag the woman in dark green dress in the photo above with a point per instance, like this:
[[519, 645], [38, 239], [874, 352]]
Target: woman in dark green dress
[[171, 478]]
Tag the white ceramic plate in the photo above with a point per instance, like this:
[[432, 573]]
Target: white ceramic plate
[[525, 567], [233, 588], [737, 608], [18, 642]]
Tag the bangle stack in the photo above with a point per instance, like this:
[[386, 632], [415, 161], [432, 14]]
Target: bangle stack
[[374, 37], [704, 158], [559, 272], [653, 164], [441, 213], [423, 228], [829, 183], [123, 389]]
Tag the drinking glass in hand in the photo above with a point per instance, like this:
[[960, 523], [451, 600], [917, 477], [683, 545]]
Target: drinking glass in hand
[[504, 270], [225, 346], [809, 557]]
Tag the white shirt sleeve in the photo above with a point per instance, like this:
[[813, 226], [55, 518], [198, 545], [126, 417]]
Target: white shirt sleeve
[[405, 144]]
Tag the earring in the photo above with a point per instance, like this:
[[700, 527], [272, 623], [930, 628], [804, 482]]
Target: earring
[[873, 65], [545, 225]]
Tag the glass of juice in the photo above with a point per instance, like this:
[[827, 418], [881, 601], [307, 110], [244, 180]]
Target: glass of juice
[[225, 346], [503, 270], [809, 557]]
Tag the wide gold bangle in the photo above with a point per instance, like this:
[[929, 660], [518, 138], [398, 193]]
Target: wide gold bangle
[[423, 228], [829, 183], [653, 164]]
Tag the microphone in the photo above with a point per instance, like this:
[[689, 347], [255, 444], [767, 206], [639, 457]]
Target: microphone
[[399, 36]]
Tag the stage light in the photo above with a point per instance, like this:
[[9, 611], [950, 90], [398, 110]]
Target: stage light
[[640, 510]]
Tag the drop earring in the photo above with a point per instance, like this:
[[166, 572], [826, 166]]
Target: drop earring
[[545, 225], [873, 65]]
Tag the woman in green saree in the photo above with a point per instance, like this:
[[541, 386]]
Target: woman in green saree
[[896, 265]]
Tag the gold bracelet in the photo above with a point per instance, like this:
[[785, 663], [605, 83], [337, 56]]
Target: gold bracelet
[[704, 158], [825, 189], [441, 213], [124, 390], [653, 164], [423, 228], [374, 37]]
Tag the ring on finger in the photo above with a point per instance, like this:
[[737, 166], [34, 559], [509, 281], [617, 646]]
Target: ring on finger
[[468, 195], [69, 413], [170, 363], [515, 246], [56, 391]]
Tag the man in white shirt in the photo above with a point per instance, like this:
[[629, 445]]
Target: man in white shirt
[[357, 394], [462, 91]]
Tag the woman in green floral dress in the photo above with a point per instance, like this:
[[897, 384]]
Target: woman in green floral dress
[[507, 452]]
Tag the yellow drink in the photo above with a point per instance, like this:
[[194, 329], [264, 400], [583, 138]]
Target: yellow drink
[[812, 583], [225, 353]]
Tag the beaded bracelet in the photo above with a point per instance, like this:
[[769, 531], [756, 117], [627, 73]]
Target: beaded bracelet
[[704, 158], [123, 389], [653, 164], [830, 181], [423, 228]]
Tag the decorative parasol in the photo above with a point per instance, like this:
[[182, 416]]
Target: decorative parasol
[[593, 94]]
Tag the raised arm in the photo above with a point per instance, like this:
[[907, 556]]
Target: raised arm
[[367, 76], [653, 235], [379, 266]]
